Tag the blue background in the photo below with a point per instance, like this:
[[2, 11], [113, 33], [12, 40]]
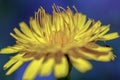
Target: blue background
[[108, 11]]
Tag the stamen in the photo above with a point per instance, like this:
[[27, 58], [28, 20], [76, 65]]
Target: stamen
[[62, 9], [75, 9], [56, 8]]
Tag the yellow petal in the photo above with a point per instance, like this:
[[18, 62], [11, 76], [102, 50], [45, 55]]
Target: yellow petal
[[111, 36], [56, 22], [75, 19], [25, 29], [14, 59], [96, 26], [21, 35], [61, 22], [11, 49], [33, 69], [35, 27], [61, 69], [88, 55], [94, 30], [8, 50], [71, 24], [106, 58], [18, 38], [65, 17], [47, 67], [39, 39], [81, 21], [9, 63], [80, 35], [48, 30], [87, 25], [14, 67], [85, 28], [81, 64], [95, 47], [104, 30]]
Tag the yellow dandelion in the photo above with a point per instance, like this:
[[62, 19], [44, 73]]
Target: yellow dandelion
[[52, 42]]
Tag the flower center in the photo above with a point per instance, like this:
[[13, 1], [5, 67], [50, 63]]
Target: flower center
[[59, 37]]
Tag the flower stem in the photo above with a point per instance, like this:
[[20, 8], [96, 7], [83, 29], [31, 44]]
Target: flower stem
[[68, 76], [65, 78]]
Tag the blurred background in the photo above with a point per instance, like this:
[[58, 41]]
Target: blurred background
[[107, 11]]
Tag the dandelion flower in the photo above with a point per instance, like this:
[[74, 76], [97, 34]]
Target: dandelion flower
[[52, 42]]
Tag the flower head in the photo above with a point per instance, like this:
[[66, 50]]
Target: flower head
[[51, 42]]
